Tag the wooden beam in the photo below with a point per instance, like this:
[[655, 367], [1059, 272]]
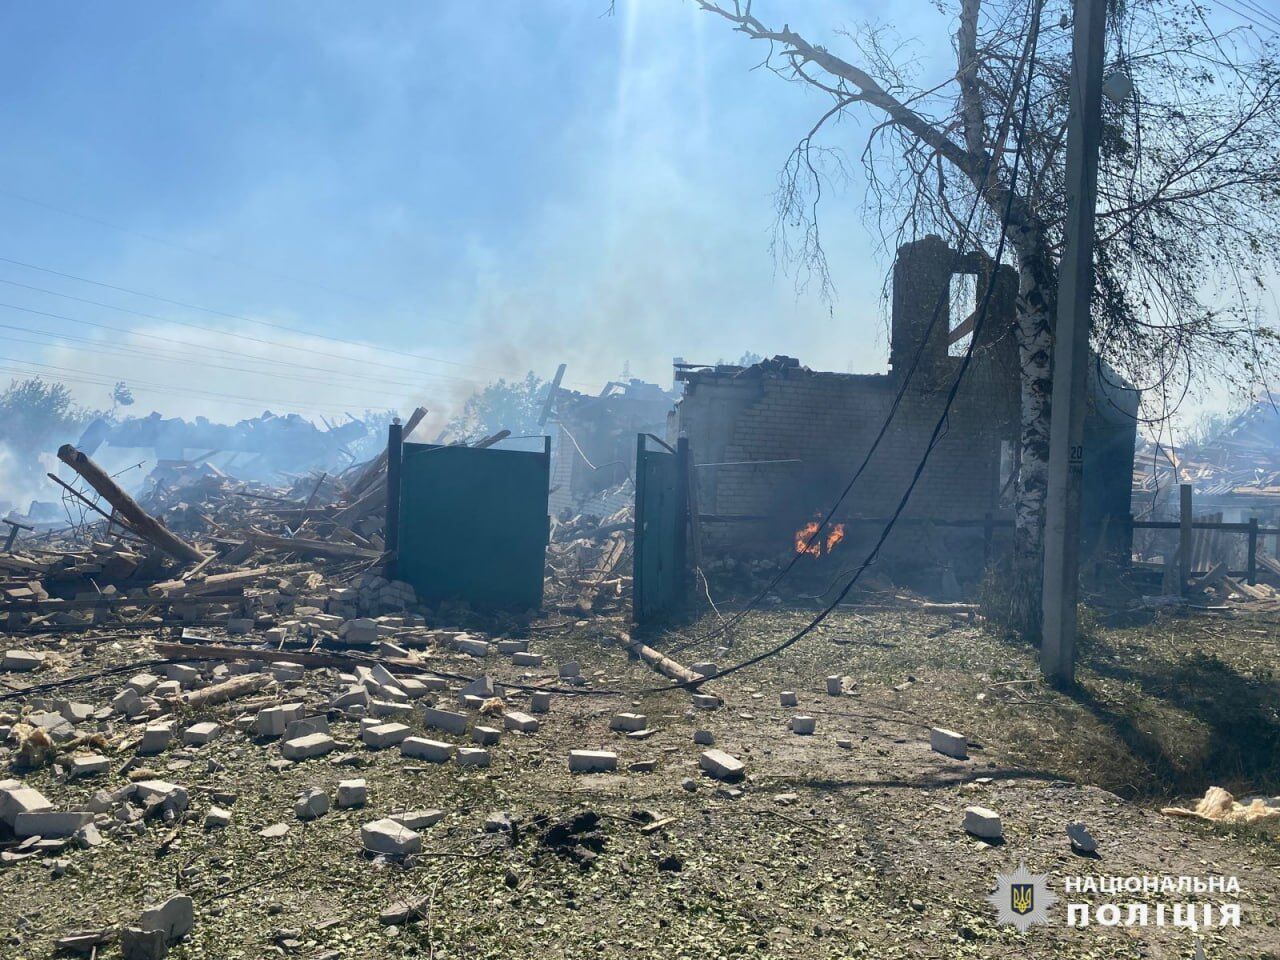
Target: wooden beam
[[227, 690], [219, 581], [491, 440], [320, 548], [141, 522]]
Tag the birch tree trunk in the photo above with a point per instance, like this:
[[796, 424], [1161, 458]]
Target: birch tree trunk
[[1034, 335]]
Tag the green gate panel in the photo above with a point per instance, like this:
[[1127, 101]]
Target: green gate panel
[[659, 552], [474, 524]]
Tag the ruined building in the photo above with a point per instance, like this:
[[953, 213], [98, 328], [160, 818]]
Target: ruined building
[[593, 450], [776, 442]]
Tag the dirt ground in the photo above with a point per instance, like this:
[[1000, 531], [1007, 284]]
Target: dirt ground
[[824, 850]]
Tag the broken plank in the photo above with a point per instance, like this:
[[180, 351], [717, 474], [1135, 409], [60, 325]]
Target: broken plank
[[219, 581]]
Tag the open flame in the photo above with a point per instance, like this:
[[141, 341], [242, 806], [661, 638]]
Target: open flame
[[809, 541]]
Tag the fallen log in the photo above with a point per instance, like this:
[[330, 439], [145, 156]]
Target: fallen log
[[141, 522], [227, 690], [660, 662]]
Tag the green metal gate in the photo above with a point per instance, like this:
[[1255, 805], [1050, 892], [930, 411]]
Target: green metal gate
[[660, 563], [473, 524]]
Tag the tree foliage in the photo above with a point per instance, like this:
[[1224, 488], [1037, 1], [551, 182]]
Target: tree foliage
[[36, 417], [121, 395], [502, 405]]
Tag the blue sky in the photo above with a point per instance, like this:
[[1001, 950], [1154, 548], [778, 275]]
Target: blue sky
[[503, 185], [373, 205]]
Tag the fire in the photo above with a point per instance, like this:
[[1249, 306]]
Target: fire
[[834, 535], [808, 541]]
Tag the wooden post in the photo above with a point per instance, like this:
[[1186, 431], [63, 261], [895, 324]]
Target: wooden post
[[987, 532], [1184, 537], [14, 527], [1253, 551], [141, 522], [391, 528], [371, 472]]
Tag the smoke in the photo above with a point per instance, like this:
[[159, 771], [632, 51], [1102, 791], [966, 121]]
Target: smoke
[[22, 478], [618, 213]]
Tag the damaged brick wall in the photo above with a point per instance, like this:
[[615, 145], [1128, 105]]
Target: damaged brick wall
[[742, 421], [824, 424]]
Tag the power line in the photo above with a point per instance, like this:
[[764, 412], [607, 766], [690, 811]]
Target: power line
[[232, 353], [1245, 16], [943, 297], [92, 377], [240, 336], [229, 316], [89, 379], [1265, 14], [98, 348], [190, 250]]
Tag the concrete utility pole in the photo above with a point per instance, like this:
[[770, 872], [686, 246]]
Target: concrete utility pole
[[1071, 349]]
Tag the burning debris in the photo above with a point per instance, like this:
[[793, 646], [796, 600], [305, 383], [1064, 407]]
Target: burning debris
[[810, 543]]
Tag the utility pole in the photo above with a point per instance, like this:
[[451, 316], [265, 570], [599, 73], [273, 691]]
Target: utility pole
[[1071, 349]]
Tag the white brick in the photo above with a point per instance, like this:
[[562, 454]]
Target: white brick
[[445, 720], [628, 722], [473, 757], [521, 722], [19, 799], [306, 747], [592, 761], [19, 660], [388, 837], [199, 734], [982, 822], [382, 735], [352, 793], [721, 765], [949, 743], [50, 823], [420, 748]]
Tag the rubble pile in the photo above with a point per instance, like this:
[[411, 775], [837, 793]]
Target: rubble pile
[[1242, 459], [201, 548], [589, 563]]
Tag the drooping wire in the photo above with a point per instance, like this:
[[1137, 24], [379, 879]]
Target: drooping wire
[[942, 300], [940, 427]]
